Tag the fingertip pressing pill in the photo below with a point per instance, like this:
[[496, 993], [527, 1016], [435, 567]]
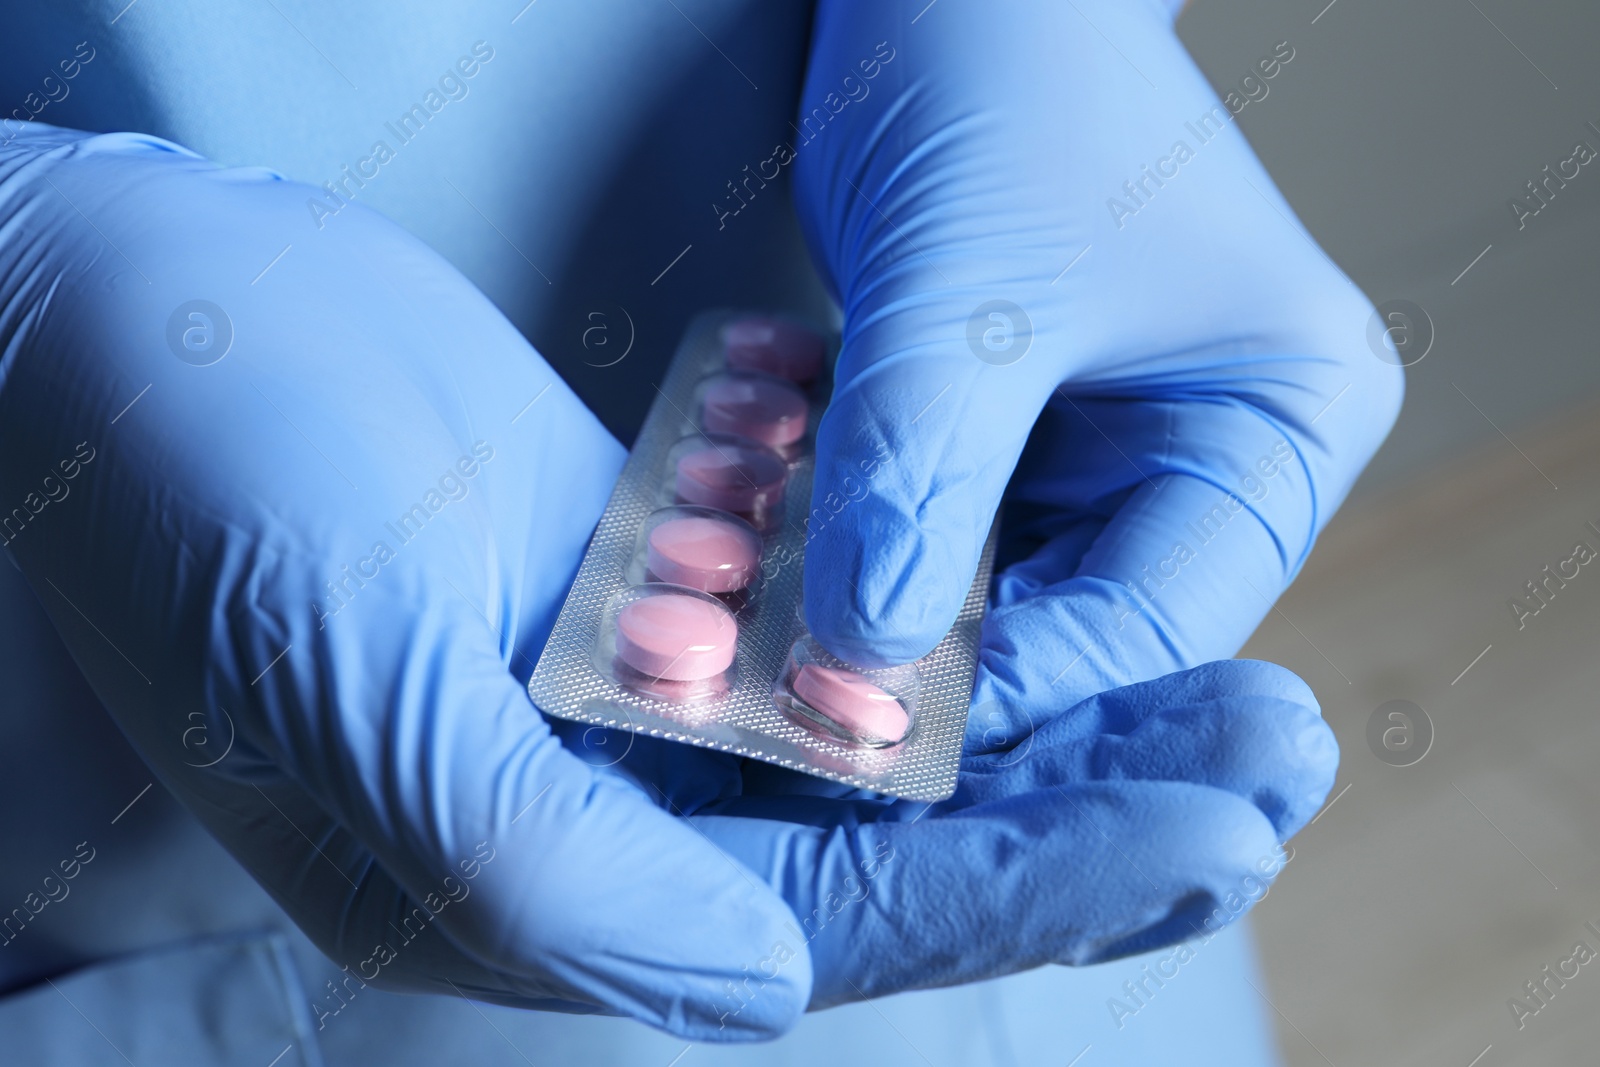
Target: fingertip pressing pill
[[854, 704], [769, 410], [712, 555], [686, 620], [677, 637], [786, 349], [736, 478]]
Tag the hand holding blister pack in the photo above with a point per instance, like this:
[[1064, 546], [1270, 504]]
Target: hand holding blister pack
[[685, 619]]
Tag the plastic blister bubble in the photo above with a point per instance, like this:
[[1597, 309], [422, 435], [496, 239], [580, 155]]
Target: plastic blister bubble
[[781, 698]]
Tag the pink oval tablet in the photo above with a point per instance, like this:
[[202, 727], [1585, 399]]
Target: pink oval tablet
[[676, 637], [763, 409], [783, 348], [856, 705], [703, 553], [731, 477]]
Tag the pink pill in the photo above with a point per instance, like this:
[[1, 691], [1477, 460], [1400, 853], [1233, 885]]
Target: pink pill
[[783, 348], [703, 553], [854, 704], [763, 409], [731, 477], [676, 637]]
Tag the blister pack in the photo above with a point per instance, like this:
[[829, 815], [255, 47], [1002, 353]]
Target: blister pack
[[685, 621]]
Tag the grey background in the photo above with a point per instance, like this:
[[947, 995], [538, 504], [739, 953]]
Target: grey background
[[1399, 133], [1424, 898]]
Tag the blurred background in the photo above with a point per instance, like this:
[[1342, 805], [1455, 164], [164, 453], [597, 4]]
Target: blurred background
[[1425, 897]]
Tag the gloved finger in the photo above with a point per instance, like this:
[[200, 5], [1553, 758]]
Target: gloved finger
[[1250, 728], [1076, 874], [556, 916], [913, 453], [922, 223], [1160, 533], [403, 734], [910, 469], [402, 718], [1124, 709]]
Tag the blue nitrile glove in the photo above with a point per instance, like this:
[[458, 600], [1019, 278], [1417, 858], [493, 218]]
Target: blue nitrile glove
[[1068, 282], [304, 541], [1194, 385], [204, 494], [1147, 815]]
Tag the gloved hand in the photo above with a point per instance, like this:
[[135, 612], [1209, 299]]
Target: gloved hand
[[1067, 284], [305, 543], [1147, 815], [1174, 391], [349, 721]]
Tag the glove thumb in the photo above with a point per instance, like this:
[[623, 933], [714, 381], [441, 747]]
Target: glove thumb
[[932, 405]]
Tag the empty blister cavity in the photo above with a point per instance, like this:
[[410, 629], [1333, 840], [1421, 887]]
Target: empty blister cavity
[[703, 548], [824, 694], [731, 474], [776, 346], [762, 407]]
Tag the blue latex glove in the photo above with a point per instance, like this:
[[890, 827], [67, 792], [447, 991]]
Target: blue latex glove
[[1200, 345], [369, 752], [1145, 816], [1196, 397], [384, 756]]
